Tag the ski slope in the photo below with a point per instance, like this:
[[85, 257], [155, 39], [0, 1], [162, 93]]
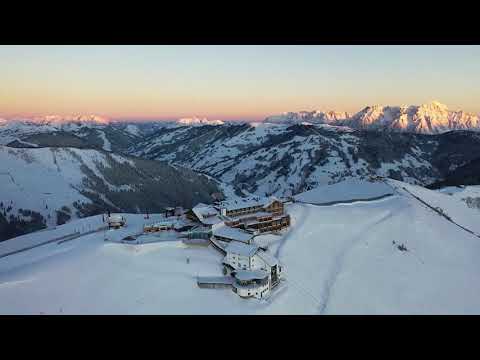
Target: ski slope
[[339, 259], [452, 206], [345, 191]]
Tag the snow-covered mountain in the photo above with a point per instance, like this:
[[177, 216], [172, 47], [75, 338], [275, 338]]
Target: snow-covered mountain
[[59, 120], [85, 131], [47, 186], [394, 255], [266, 158], [198, 122], [310, 117], [82, 131], [430, 118]]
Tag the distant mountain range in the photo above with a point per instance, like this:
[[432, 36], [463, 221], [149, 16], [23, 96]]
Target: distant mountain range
[[430, 118], [198, 122], [59, 121]]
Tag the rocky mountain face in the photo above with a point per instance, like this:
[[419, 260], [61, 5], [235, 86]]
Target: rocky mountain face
[[430, 118], [282, 160], [48, 186]]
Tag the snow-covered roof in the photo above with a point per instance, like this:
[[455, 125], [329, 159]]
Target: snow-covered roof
[[232, 233], [241, 249], [207, 214], [246, 275], [115, 217], [268, 258], [247, 202]]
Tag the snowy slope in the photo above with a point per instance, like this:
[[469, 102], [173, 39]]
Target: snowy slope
[[461, 192], [82, 131], [347, 190], [469, 194], [264, 158], [66, 183], [339, 259], [90, 276], [451, 206], [43, 180], [345, 258]]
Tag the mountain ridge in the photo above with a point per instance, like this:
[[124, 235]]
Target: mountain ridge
[[430, 118], [284, 160], [47, 186]]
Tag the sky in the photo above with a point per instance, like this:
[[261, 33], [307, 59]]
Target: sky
[[232, 82]]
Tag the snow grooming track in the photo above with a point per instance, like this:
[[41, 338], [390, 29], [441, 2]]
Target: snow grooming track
[[338, 264]]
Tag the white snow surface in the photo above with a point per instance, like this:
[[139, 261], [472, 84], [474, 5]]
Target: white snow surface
[[338, 259], [453, 207], [347, 190]]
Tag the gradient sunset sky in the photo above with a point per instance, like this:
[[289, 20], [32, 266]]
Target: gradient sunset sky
[[232, 82]]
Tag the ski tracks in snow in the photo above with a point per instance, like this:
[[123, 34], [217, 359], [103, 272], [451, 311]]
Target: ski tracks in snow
[[321, 303], [340, 257]]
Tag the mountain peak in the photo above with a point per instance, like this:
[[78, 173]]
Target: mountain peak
[[313, 117], [434, 104], [429, 118], [198, 121], [60, 119], [56, 120]]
